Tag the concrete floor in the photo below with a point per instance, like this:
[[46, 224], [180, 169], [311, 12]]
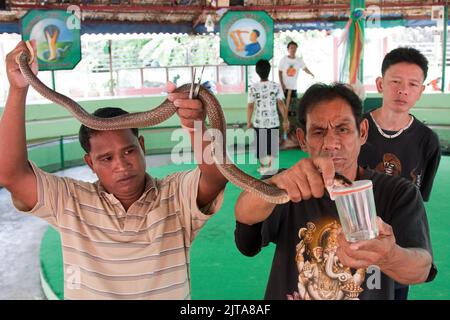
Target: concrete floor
[[20, 238]]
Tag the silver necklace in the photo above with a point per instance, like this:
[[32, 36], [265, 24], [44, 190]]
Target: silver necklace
[[395, 135]]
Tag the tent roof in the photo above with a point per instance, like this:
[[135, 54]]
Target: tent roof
[[188, 16], [188, 11]]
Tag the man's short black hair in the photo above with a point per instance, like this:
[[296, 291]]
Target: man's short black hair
[[262, 68], [293, 43], [257, 32], [408, 55], [320, 92], [85, 133]]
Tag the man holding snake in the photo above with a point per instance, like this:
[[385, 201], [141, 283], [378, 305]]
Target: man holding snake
[[128, 235]]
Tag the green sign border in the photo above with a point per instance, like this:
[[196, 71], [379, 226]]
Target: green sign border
[[227, 21], [69, 62]]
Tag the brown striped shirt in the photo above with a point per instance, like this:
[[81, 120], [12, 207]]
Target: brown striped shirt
[[109, 253]]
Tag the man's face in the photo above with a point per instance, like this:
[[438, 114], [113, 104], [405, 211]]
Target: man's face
[[117, 158], [401, 86], [253, 36], [331, 132], [292, 50]]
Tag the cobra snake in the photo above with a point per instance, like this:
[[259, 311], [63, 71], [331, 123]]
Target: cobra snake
[[164, 111]]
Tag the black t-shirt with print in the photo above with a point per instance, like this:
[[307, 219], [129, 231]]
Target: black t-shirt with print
[[414, 154], [398, 203]]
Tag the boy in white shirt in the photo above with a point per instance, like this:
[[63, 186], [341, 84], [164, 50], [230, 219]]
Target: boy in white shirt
[[288, 70], [264, 97]]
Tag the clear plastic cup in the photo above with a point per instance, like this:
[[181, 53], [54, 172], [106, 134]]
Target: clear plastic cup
[[357, 211]]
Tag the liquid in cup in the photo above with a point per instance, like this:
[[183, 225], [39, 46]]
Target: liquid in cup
[[357, 212]]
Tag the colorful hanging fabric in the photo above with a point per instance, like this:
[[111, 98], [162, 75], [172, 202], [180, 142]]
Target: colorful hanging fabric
[[353, 38]]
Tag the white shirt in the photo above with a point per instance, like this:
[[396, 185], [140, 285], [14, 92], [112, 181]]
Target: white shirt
[[264, 95], [290, 68]]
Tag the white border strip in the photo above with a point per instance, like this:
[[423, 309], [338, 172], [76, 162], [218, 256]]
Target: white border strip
[[46, 288]]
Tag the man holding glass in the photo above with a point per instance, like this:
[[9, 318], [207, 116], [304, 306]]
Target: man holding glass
[[313, 259]]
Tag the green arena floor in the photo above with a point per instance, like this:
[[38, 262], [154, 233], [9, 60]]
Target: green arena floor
[[219, 271]]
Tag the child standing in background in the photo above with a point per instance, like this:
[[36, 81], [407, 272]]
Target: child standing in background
[[264, 98]]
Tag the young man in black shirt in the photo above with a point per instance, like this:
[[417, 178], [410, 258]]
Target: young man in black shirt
[[312, 258], [398, 144]]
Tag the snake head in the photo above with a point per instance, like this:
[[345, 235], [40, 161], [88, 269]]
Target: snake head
[[28, 55], [338, 181], [341, 181]]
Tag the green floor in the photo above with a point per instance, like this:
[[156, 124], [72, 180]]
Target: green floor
[[219, 271]]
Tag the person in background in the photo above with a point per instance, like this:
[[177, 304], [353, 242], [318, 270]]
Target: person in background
[[399, 144], [264, 98], [288, 71]]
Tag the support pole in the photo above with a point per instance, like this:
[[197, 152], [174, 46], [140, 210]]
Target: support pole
[[444, 47], [246, 79], [61, 151], [53, 81], [111, 76]]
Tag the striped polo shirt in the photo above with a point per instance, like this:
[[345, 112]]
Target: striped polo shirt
[[110, 253]]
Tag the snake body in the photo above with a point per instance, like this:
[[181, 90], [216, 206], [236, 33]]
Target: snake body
[[157, 115]]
